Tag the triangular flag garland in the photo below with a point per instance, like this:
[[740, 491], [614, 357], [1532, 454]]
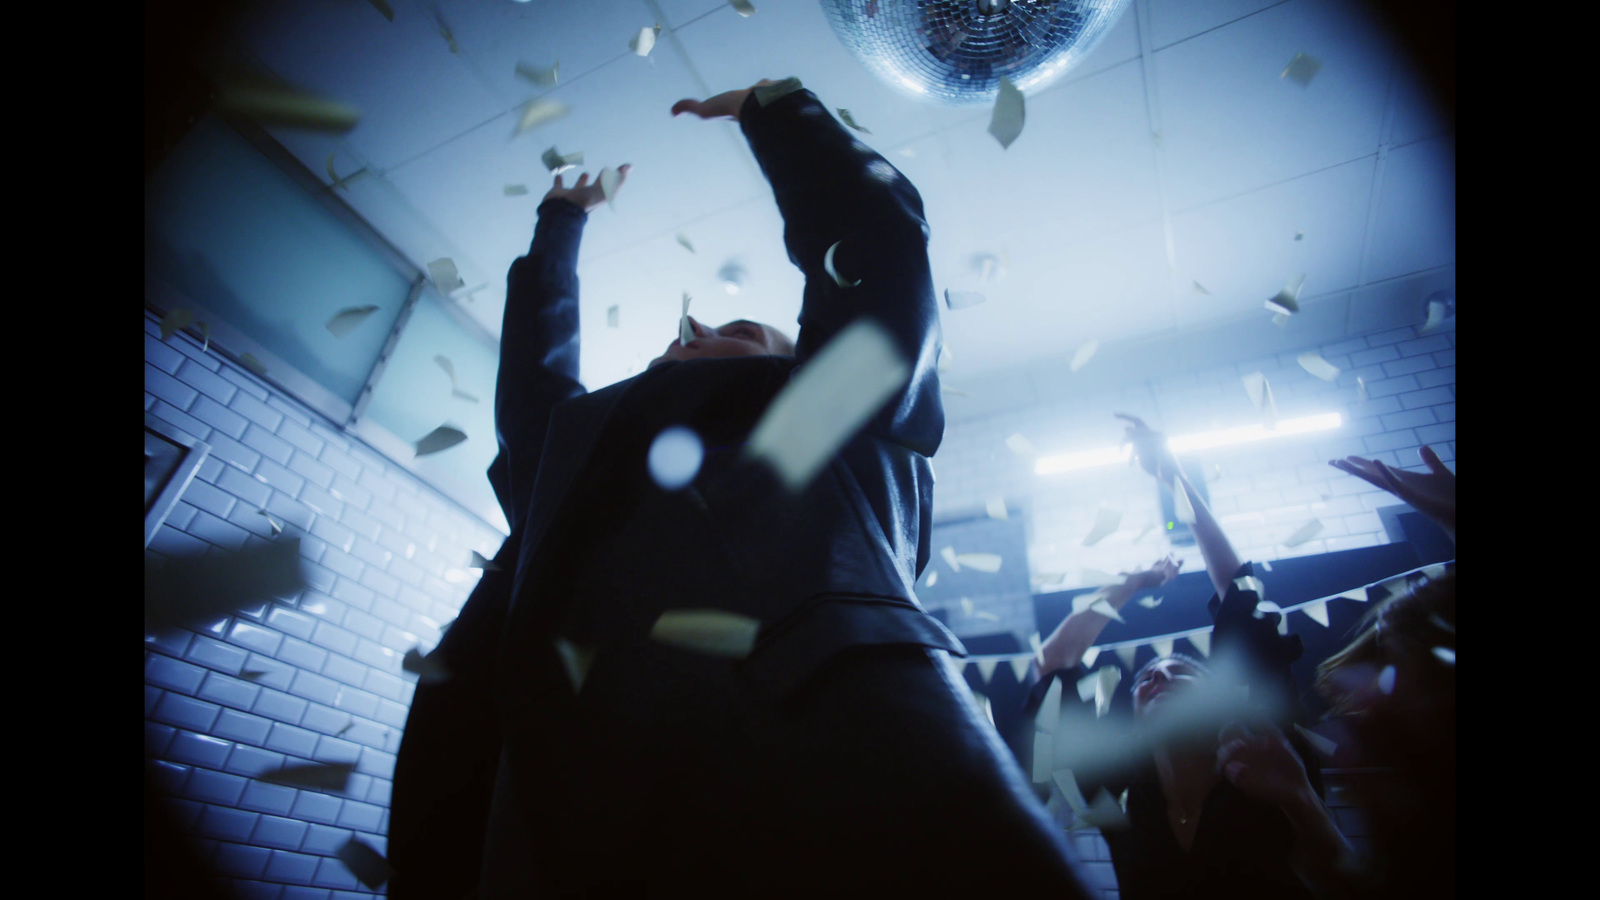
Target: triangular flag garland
[[1317, 611], [1019, 666], [1127, 653], [986, 668], [1202, 642], [1090, 655], [1163, 647]]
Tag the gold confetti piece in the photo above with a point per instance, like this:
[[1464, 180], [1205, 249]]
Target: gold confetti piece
[[844, 116], [982, 562], [277, 527], [1202, 642], [538, 112], [643, 42], [1304, 533], [175, 321], [319, 776], [1163, 647], [1084, 354], [444, 32], [827, 266], [366, 864], [442, 438], [949, 555], [996, 507], [345, 320], [557, 163], [685, 330], [190, 590], [1127, 653], [516, 190], [743, 7], [962, 299], [1048, 718], [1019, 667], [542, 77], [1105, 522], [933, 577], [1183, 508], [1321, 744], [1301, 69], [383, 7], [479, 561], [1445, 655], [1020, 446], [445, 278], [1317, 611], [1149, 602], [1090, 655], [1006, 123], [832, 397], [1287, 301], [708, 631], [253, 675], [428, 669], [276, 104], [1105, 609], [1199, 289], [1105, 686], [986, 669]]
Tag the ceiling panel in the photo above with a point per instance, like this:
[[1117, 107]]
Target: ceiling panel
[[1415, 226], [1397, 303], [1172, 21]]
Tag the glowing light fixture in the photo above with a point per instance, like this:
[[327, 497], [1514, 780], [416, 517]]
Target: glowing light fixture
[[1208, 440]]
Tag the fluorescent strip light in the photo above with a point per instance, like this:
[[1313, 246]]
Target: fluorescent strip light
[[1227, 437]]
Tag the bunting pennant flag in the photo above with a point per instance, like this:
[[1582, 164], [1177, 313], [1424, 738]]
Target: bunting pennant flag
[[1019, 667], [1163, 647], [1127, 654], [1317, 611], [1202, 642], [986, 669], [1106, 680], [1359, 595], [1049, 715]]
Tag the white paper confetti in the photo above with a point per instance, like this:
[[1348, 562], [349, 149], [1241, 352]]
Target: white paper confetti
[[1163, 647], [1105, 523], [1301, 69], [576, 660], [643, 42], [933, 577], [1149, 602], [1019, 667], [1266, 565], [710, 631], [539, 111], [610, 180], [479, 561], [1255, 585], [982, 562], [516, 190], [743, 7], [557, 163], [1287, 301], [1318, 742], [962, 299], [986, 668], [175, 321], [1182, 507], [1314, 363], [1304, 533], [445, 278], [428, 669], [683, 239], [338, 182], [1006, 123], [1200, 289], [1317, 611], [828, 401], [996, 508], [1127, 653], [844, 116], [1445, 655], [205, 336], [827, 266], [1090, 655], [1104, 608], [675, 457], [273, 523], [442, 438], [1106, 680], [317, 776], [949, 556], [1048, 718], [253, 675], [1084, 354], [345, 320], [1436, 316], [1202, 642], [540, 76], [1021, 447], [366, 864], [1084, 601], [276, 104]]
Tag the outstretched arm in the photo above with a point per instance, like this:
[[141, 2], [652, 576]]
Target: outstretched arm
[[1432, 493], [1066, 645], [539, 341], [1150, 448]]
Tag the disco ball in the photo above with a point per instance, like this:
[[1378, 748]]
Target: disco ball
[[955, 52]]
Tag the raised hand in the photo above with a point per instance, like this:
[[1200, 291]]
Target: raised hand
[[1263, 765], [1432, 493], [1150, 448], [723, 106], [586, 195], [1157, 575]]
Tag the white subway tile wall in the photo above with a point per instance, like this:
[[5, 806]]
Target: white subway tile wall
[[316, 679]]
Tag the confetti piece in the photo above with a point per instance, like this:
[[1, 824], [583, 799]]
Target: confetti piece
[[334, 176], [996, 507], [189, 590], [1106, 680], [1436, 311], [1105, 609], [1021, 447], [1313, 362], [576, 660], [366, 864], [685, 330], [953, 391], [844, 116], [675, 457], [1149, 602], [643, 42], [1287, 301], [933, 577], [1200, 289], [986, 669], [205, 335], [277, 527], [1299, 235], [1266, 566], [962, 299], [541, 77], [1318, 742], [538, 112], [319, 776], [1255, 585], [1090, 655], [1304, 533], [383, 7], [1255, 384], [557, 163], [1105, 522], [833, 396], [1445, 655], [982, 562], [444, 32], [1163, 647], [1361, 390], [442, 272], [827, 266], [1019, 667], [684, 240], [479, 561], [463, 395], [175, 321], [276, 104], [949, 555], [1084, 354], [708, 631], [1301, 69], [1084, 601], [610, 180], [253, 675], [1183, 508], [743, 7], [1202, 642], [345, 320], [1006, 123], [442, 438], [516, 190], [1127, 653], [1317, 611], [1048, 719], [427, 669]]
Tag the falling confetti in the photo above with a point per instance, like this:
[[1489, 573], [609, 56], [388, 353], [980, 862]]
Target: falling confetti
[[1287, 301], [675, 457], [685, 330], [444, 32], [1321, 744], [1445, 655], [346, 181], [1105, 522], [1266, 566], [643, 42], [541, 77], [319, 776], [538, 112], [962, 299], [1150, 602], [1316, 365], [613, 316], [345, 320], [1105, 609], [982, 562], [949, 556], [1436, 315], [709, 631], [442, 438], [445, 278], [557, 163], [827, 266], [367, 864], [1361, 390], [1006, 124], [427, 669], [276, 104], [1198, 289], [1301, 69], [273, 523], [175, 321], [253, 675], [844, 116], [1084, 354], [996, 508], [743, 7], [479, 561], [1021, 447], [683, 239], [516, 190], [205, 336], [610, 180], [832, 397], [1090, 655], [1304, 533], [576, 660], [933, 577]]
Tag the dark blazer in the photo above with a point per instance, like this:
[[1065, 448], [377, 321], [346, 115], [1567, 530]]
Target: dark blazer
[[824, 569]]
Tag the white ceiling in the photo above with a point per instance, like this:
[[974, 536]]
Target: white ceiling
[[1174, 154]]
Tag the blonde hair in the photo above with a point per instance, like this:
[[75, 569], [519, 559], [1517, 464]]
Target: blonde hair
[[1404, 627]]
